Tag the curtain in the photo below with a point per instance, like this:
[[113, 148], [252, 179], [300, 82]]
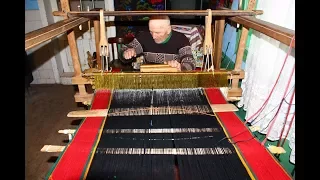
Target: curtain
[[229, 45], [264, 62]]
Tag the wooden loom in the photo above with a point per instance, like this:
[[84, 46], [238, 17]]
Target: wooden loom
[[243, 17], [74, 19]]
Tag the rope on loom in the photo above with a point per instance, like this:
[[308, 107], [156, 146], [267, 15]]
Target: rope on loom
[[283, 99], [291, 75], [276, 115], [264, 127], [270, 112], [291, 122], [263, 106], [265, 102], [286, 119]]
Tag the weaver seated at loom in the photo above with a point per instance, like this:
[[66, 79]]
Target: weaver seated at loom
[[162, 45]]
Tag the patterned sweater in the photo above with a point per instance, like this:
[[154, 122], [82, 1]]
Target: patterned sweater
[[176, 48]]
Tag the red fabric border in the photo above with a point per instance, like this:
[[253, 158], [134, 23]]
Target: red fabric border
[[259, 159], [73, 161]]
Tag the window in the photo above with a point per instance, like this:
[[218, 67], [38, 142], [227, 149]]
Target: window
[[74, 4]]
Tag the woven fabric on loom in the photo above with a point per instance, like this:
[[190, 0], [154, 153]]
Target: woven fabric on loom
[[129, 155], [164, 134]]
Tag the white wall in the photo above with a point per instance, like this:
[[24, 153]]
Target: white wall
[[43, 70], [97, 4], [52, 59]]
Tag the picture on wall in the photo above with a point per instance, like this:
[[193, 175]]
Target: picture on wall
[[31, 5]]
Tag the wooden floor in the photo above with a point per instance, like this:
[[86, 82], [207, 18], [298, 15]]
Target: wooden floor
[[47, 107]]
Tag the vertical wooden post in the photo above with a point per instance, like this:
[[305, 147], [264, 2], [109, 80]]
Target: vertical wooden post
[[218, 38], [96, 23], [65, 6], [235, 90], [72, 42]]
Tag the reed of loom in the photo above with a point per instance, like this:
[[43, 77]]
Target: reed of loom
[[171, 80], [83, 96]]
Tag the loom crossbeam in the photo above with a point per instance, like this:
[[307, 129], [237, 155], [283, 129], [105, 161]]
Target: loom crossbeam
[[41, 35], [89, 113], [162, 12], [104, 112], [282, 34]]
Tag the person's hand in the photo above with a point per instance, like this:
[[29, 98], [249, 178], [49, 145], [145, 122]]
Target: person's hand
[[174, 64], [129, 53]]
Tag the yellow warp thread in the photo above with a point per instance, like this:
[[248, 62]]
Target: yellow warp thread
[[159, 81]]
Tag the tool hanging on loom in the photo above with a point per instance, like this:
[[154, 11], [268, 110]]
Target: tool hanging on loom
[[103, 43], [80, 9], [92, 4], [207, 44], [89, 23]]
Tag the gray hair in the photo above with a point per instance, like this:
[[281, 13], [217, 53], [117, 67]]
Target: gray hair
[[163, 20]]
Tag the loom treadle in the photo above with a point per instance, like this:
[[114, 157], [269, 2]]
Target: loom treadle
[[52, 148], [83, 97]]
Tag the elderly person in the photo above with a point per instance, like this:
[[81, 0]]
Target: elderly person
[[161, 46]]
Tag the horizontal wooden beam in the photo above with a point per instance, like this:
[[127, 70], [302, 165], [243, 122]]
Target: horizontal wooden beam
[[88, 113], [41, 35], [80, 80], [223, 107], [162, 68], [83, 98], [104, 112], [161, 12], [282, 34]]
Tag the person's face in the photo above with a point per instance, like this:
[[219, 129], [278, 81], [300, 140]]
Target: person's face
[[159, 32]]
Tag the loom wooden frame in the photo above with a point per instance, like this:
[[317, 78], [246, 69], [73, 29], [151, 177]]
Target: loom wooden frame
[[73, 19]]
